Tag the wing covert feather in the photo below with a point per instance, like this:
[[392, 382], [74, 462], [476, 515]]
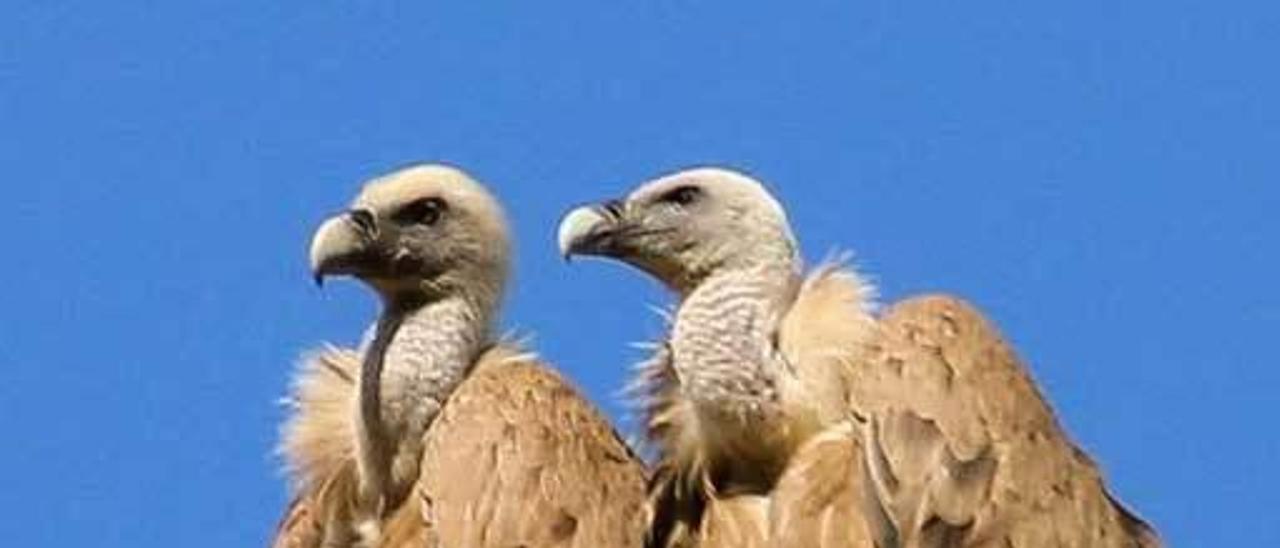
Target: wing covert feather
[[822, 500], [518, 458], [964, 449], [299, 528], [735, 521]]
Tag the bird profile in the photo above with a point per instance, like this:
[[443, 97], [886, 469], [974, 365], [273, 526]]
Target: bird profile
[[786, 412], [437, 432]]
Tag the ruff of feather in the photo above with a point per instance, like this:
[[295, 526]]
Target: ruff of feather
[[318, 438]]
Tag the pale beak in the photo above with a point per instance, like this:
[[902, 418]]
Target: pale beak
[[589, 230], [342, 244]]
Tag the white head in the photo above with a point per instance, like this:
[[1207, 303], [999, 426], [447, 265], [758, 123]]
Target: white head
[[418, 234], [685, 226]]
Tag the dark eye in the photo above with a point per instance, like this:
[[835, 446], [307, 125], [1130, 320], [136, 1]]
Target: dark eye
[[426, 211], [683, 195]]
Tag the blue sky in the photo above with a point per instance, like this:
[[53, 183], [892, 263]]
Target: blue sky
[[1100, 177]]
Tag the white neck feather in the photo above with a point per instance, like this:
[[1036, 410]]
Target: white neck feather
[[723, 340], [418, 356]]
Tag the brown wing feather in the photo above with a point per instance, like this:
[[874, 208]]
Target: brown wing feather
[[822, 500], [735, 521], [518, 458], [958, 445], [962, 447]]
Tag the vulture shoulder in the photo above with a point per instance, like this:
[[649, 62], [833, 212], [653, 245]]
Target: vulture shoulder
[[961, 447], [518, 457], [828, 327]]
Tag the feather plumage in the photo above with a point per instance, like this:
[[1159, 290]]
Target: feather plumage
[[916, 426]]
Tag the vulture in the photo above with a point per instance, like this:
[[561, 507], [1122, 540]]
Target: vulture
[[435, 432], [787, 411]]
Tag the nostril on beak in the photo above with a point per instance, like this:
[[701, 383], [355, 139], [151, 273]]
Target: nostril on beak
[[614, 208], [363, 218]]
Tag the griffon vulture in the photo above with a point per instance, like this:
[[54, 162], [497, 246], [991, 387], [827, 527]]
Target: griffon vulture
[[435, 433], [786, 413]]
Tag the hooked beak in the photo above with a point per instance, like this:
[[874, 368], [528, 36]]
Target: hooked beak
[[591, 230], [342, 244]]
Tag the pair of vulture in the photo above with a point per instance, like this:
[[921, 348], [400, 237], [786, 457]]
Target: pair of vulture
[[782, 411]]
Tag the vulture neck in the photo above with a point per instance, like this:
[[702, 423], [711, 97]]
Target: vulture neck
[[420, 352], [723, 345]]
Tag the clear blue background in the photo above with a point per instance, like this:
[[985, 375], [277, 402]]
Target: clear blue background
[[1101, 177]]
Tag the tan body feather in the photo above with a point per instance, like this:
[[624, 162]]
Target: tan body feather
[[933, 434], [516, 458]]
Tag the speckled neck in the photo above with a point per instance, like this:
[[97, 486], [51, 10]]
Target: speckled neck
[[723, 341], [418, 355]]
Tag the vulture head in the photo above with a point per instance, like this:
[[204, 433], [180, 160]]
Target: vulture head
[[683, 227], [421, 233]]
